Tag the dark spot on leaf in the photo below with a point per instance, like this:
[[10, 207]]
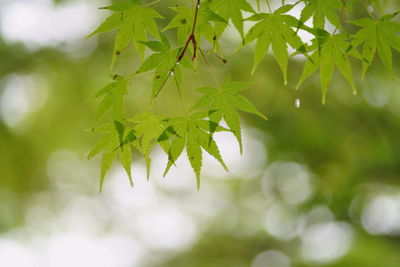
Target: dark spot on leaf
[[302, 49], [118, 53], [158, 77], [184, 21]]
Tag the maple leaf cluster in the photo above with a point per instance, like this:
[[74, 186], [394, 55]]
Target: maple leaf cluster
[[138, 24]]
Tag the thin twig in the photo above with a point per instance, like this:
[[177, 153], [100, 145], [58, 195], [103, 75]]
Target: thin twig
[[195, 16], [209, 67], [191, 39], [164, 82], [139, 75]]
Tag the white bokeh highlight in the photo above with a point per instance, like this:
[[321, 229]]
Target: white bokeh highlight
[[326, 242], [381, 215], [271, 258], [21, 95], [41, 23], [289, 181]]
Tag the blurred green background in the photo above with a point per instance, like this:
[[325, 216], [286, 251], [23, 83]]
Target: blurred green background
[[316, 185]]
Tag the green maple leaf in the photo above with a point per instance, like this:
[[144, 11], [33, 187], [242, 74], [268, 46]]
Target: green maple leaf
[[148, 128], [164, 62], [230, 10], [183, 21], [113, 98], [116, 141], [332, 50], [377, 35], [195, 133], [274, 30], [321, 10], [227, 101], [132, 23]]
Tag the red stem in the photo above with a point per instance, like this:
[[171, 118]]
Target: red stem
[[191, 39]]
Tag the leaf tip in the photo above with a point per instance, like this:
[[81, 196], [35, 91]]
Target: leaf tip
[[131, 181], [225, 168], [298, 86], [101, 185]]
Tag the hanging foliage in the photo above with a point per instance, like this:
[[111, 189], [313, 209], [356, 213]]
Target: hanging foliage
[[136, 23]]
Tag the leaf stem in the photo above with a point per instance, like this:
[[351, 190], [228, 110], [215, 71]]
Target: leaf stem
[[139, 75], [181, 98], [209, 67], [341, 15], [152, 3], [269, 6], [195, 16], [163, 84], [191, 39]]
